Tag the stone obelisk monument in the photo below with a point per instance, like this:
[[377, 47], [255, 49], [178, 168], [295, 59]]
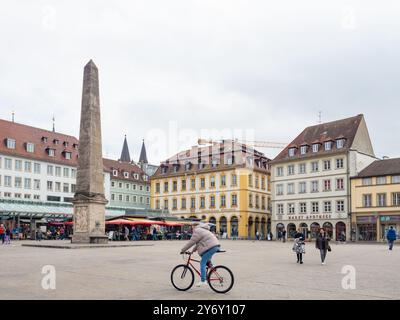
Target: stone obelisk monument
[[89, 200]]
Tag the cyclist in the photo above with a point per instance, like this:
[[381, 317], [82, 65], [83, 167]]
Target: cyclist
[[206, 244]]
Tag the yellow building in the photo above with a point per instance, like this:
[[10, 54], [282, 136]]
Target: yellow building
[[375, 200], [227, 184]]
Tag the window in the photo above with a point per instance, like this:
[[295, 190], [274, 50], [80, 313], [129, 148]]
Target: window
[[188, 166], [279, 171], [303, 149], [302, 187], [234, 180], [10, 143], [314, 186], [250, 200], [17, 195], [174, 204], [192, 203], [8, 164], [315, 147], [327, 185], [381, 200], [202, 183], [36, 184], [234, 200], [262, 183], [165, 186], [28, 166], [340, 206], [212, 182], [290, 208], [164, 169], [18, 165], [176, 168], [36, 197], [67, 155], [250, 180], [66, 172], [73, 173], [396, 199], [136, 176], [214, 163], [58, 171], [292, 152], [314, 166], [183, 203], [127, 185], [327, 164], [120, 184], [115, 173], [134, 199], [183, 185], [279, 189], [49, 185], [36, 168], [141, 188], [223, 201], [303, 207], [212, 201], [223, 181], [66, 187], [192, 184], [157, 187], [367, 200], [7, 194], [134, 186], [340, 143], [367, 181], [340, 184], [174, 185], [328, 145], [27, 183], [126, 175], [51, 152], [7, 181], [27, 196], [315, 207], [127, 199], [291, 170], [327, 206], [290, 188], [18, 182], [50, 170], [302, 168], [395, 179], [381, 180], [279, 208], [166, 204], [339, 163], [158, 204], [73, 188]]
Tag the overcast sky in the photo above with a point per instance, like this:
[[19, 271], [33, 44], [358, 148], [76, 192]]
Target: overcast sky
[[171, 71]]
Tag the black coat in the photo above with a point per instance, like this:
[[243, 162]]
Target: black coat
[[299, 235], [322, 243]]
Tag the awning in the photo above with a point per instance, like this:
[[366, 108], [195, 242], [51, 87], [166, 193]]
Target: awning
[[145, 221]]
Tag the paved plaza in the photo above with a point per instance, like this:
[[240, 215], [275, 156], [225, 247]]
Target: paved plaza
[[263, 270]]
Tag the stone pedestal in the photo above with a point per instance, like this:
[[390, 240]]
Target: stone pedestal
[[89, 224]]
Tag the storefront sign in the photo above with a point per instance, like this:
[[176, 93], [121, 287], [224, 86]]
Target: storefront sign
[[366, 219], [390, 218], [313, 217]]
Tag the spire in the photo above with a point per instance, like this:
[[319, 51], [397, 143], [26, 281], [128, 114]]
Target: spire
[[125, 157], [54, 126], [143, 156]]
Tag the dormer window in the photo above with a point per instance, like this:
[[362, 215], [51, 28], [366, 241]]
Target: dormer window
[[44, 139], [10, 143], [51, 152], [30, 147], [214, 163], [303, 149], [145, 178], [75, 146], [56, 141], [292, 152], [200, 165], [65, 143], [136, 176], [328, 145], [67, 155], [164, 170], [229, 160], [315, 147], [340, 143], [126, 175], [188, 165], [115, 173]]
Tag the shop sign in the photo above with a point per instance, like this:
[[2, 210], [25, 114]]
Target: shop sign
[[316, 216], [366, 219], [390, 218]]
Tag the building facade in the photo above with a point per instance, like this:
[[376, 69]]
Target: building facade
[[226, 184], [311, 178], [375, 205]]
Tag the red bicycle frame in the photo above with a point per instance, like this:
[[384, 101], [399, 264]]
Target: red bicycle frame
[[209, 267]]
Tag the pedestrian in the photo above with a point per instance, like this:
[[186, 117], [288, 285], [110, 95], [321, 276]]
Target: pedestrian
[[391, 237], [126, 235], [322, 243], [299, 246], [39, 234], [2, 233], [7, 238], [279, 235], [154, 233], [284, 235], [257, 235], [62, 233], [206, 244]]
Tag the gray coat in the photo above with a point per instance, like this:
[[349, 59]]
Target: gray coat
[[203, 239]]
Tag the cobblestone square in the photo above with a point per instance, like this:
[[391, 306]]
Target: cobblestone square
[[263, 270]]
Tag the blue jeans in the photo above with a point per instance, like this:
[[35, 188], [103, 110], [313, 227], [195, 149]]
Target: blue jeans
[[204, 259], [391, 244]]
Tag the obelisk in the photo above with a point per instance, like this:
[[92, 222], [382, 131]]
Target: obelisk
[[89, 200]]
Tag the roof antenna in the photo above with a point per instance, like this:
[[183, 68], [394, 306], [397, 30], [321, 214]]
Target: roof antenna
[[12, 116], [54, 127], [319, 117]]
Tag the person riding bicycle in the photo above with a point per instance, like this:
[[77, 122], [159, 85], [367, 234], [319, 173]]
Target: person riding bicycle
[[206, 244]]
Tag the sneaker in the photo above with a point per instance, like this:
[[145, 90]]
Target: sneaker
[[323, 263], [301, 262], [201, 284]]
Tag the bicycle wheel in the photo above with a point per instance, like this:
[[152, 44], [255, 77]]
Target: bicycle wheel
[[182, 277], [220, 279]]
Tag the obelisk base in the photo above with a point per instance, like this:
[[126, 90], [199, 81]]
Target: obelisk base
[[89, 221]]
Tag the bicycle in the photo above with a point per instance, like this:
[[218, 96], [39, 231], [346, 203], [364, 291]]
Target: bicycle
[[219, 278]]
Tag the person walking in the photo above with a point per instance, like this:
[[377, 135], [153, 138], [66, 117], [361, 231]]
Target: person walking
[[39, 234], [299, 246], [126, 233], [284, 235], [2, 233], [7, 238], [154, 233], [322, 243], [391, 237]]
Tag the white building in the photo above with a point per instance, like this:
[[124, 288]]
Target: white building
[[311, 177]]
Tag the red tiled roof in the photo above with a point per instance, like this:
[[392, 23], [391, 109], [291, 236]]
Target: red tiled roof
[[381, 168], [344, 128], [122, 167]]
